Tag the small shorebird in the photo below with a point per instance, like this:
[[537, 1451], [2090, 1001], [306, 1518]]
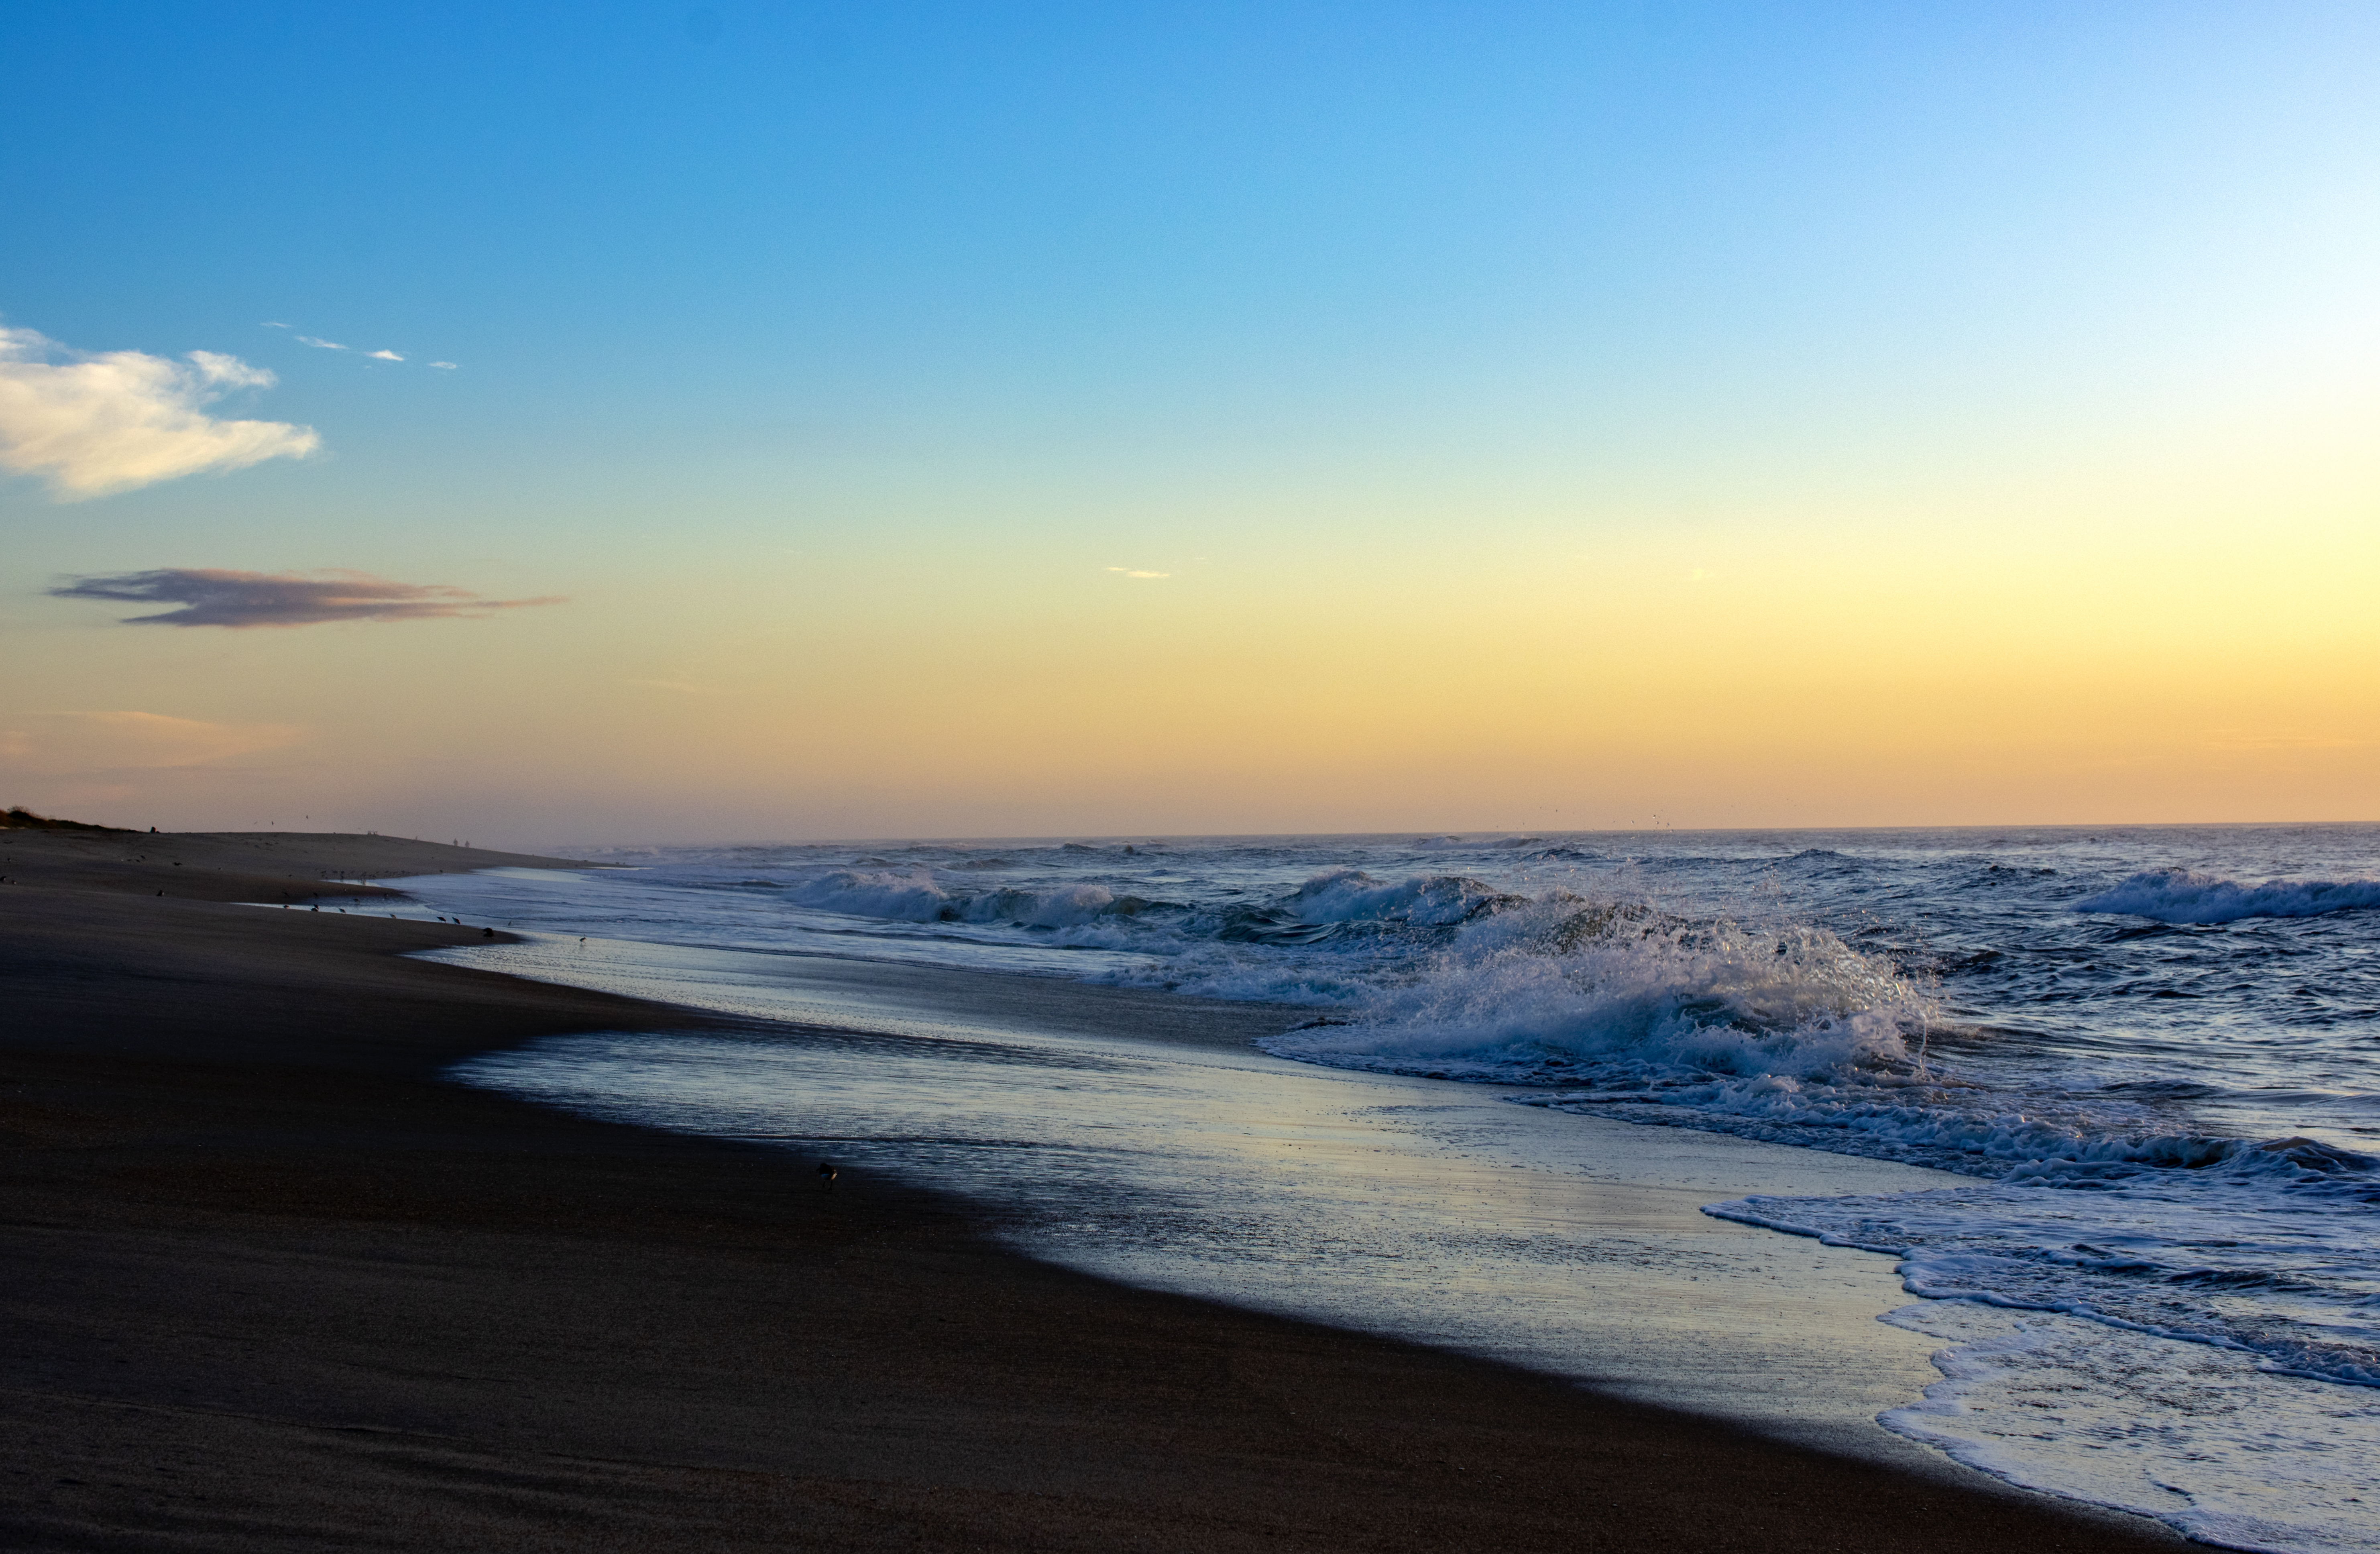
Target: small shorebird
[[827, 1174]]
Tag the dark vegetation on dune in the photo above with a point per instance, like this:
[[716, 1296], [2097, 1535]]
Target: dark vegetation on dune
[[18, 818]]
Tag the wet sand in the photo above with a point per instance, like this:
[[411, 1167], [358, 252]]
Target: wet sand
[[1139, 1135], [273, 1283]]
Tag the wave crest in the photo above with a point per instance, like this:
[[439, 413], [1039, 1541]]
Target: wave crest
[[2181, 895], [914, 896], [1350, 896], [1616, 994]]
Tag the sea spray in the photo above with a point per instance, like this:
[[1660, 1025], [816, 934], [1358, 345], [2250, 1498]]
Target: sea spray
[[1618, 995]]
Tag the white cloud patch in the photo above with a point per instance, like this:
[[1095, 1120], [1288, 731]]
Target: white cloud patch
[[227, 371], [384, 355], [92, 743], [214, 596], [1136, 572], [271, 324], [447, 365], [89, 424], [320, 345]]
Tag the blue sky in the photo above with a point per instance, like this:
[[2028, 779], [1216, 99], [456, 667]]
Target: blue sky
[[840, 314]]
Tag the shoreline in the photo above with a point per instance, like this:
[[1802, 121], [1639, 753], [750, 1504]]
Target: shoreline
[[1580, 1249], [276, 1284]]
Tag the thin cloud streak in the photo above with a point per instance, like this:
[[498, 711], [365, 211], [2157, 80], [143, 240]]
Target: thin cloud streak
[[96, 743], [92, 423], [321, 345], [238, 601], [1136, 572]]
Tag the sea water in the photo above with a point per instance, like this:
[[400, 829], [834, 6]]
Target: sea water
[[2153, 1054]]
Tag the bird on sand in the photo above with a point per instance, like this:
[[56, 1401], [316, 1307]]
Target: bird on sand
[[827, 1174]]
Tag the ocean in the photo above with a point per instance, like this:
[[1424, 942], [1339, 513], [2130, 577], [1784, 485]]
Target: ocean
[[2145, 1060]]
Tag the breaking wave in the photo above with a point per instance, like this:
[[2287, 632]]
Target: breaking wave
[[2181, 895], [1561, 989], [2094, 1205], [914, 896]]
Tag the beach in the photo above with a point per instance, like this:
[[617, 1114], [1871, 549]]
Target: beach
[[277, 1281]]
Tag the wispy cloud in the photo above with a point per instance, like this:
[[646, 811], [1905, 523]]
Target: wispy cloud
[[210, 596], [1136, 572], [84, 743], [321, 345], [89, 424]]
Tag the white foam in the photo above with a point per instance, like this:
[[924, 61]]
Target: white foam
[[2258, 1252], [1347, 895], [1632, 996], [2198, 1437], [2181, 895], [907, 897], [913, 895], [1069, 905]]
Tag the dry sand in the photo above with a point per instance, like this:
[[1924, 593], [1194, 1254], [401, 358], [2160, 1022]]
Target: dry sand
[[271, 1284]]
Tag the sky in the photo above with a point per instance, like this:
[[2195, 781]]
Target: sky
[[625, 423]]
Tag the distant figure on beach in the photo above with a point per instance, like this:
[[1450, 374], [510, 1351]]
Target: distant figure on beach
[[827, 1174], [487, 933]]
